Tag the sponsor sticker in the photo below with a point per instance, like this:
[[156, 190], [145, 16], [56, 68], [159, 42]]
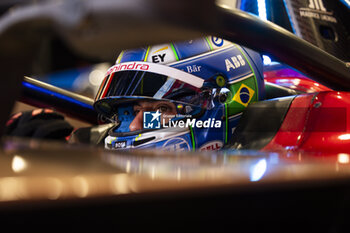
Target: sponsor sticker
[[211, 146], [217, 41], [176, 144], [161, 54], [121, 144], [234, 62]]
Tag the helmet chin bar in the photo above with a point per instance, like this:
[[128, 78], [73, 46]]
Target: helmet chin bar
[[178, 134], [175, 136], [145, 138]]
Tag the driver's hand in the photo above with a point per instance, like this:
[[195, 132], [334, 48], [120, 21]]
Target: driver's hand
[[38, 123]]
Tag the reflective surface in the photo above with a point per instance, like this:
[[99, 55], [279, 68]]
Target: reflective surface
[[32, 170]]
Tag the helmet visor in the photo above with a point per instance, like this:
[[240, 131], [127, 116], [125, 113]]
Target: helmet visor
[[158, 82]]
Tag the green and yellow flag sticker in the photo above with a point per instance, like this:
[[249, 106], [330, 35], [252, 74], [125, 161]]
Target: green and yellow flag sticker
[[244, 95]]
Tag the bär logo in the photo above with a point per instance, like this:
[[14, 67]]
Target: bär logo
[[151, 120]]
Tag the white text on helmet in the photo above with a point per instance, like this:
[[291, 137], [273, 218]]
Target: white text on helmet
[[236, 61]]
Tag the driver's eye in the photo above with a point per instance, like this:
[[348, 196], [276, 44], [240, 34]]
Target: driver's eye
[[136, 112], [163, 108], [115, 118]]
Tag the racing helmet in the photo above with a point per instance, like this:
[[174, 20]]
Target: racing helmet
[[179, 96]]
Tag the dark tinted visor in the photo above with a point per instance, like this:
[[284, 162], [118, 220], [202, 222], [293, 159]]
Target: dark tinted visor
[[148, 84]]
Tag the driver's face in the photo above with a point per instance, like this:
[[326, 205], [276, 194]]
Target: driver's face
[[164, 107]]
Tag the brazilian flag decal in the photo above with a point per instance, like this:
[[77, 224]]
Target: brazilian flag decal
[[244, 95]]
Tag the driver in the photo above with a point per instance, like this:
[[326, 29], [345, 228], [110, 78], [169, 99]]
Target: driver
[[176, 96]]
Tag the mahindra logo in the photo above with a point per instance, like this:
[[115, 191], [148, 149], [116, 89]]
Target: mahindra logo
[[128, 66], [317, 5]]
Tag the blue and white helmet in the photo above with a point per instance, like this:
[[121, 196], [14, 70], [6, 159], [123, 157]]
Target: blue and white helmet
[[179, 96]]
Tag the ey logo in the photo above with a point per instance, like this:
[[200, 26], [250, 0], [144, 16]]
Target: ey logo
[[151, 120], [159, 57], [317, 5]]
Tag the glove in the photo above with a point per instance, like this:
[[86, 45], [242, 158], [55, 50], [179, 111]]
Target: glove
[[38, 123]]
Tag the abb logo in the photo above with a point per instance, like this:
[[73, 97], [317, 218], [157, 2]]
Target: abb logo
[[128, 66]]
